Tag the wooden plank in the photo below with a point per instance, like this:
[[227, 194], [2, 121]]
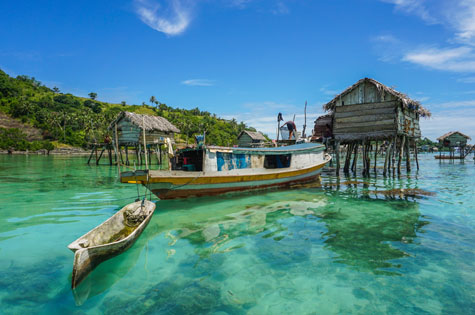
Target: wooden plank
[[368, 112], [380, 123], [365, 106], [359, 119], [361, 130]]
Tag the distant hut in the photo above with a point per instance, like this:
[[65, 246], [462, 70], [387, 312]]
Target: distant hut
[[369, 111], [131, 129], [452, 140], [321, 125], [250, 139]]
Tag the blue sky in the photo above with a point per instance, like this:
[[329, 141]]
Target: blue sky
[[249, 59]]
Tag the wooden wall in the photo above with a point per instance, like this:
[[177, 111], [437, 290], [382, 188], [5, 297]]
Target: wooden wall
[[130, 133], [454, 138], [367, 113], [358, 121]]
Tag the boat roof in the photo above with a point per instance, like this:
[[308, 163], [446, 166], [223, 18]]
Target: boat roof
[[294, 148]]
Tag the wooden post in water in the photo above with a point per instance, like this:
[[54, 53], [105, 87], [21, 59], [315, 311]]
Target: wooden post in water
[[415, 154], [408, 156], [349, 150], [117, 148], [127, 155], [355, 159], [144, 143], [386, 158], [364, 157], [337, 148], [375, 155], [401, 154], [393, 155]]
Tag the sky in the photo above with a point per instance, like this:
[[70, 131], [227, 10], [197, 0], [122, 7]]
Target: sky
[[249, 59]]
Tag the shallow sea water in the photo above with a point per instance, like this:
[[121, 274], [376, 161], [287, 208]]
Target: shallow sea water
[[341, 246]]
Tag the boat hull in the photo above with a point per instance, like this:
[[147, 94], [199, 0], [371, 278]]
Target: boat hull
[[88, 258], [171, 187]]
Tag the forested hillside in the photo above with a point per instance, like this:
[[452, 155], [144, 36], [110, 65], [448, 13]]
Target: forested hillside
[[78, 121]]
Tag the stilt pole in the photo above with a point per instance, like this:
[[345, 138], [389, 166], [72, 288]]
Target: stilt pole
[[401, 154], [415, 154], [375, 155], [337, 149], [408, 156], [355, 158]]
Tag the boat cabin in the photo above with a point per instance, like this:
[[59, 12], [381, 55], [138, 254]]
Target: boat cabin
[[217, 159]]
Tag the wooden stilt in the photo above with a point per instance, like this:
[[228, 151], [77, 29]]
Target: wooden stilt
[[401, 154], [415, 154], [386, 158], [100, 155], [337, 149], [365, 152], [157, 153], [95, 150], [393, 155], [408, 156], [349, 150], [92, 153], [109, 152], [355, 158], [127, 155], [375, 155]]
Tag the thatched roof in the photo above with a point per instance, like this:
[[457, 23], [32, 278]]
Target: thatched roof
[[448, 134], [147, 122], [253, 135], [406, 101]]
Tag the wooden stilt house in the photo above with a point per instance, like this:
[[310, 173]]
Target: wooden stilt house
[[142, 132], [369, 113], [251, 139], [453, 140]]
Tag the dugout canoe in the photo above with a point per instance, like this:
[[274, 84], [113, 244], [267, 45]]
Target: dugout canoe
[[107, 240], [211, 170]]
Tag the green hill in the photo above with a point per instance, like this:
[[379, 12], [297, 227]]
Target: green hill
[[78, 121]]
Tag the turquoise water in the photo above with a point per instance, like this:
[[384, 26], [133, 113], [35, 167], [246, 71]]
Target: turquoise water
[[345, 246]]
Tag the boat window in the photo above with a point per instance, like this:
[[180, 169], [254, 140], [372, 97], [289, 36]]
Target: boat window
[[189, 160], [277, 161]]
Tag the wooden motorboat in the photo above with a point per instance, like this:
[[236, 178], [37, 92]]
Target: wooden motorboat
[[110, 238], [210, 170]]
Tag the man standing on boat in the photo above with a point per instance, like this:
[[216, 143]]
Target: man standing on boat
[[292, 129]]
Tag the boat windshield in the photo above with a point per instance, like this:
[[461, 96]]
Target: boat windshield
[[277, 161]]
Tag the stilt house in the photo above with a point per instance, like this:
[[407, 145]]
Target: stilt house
[[130, 127], [250, 139], [453, 139], [369, 111]]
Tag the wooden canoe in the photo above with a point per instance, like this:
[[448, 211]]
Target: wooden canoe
[[107, 240]]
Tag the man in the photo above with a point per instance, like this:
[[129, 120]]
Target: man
[[291, 128]]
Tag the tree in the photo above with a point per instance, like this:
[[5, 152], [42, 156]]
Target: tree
[[152, 100], [56, 89], [123, 103], [92, 95]]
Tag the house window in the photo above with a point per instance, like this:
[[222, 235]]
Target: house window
[[277, 161]]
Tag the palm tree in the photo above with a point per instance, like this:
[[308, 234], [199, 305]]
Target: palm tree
[[152, 100], [92, 95], [56, 89]]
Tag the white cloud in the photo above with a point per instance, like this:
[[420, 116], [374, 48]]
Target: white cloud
[[172, 21], [413, 7], [455, 15], [280, 9], [467, 80], [462, 120], [198, 82], [459, 59]]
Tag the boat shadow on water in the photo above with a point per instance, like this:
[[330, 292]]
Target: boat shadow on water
[[367, 234]]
